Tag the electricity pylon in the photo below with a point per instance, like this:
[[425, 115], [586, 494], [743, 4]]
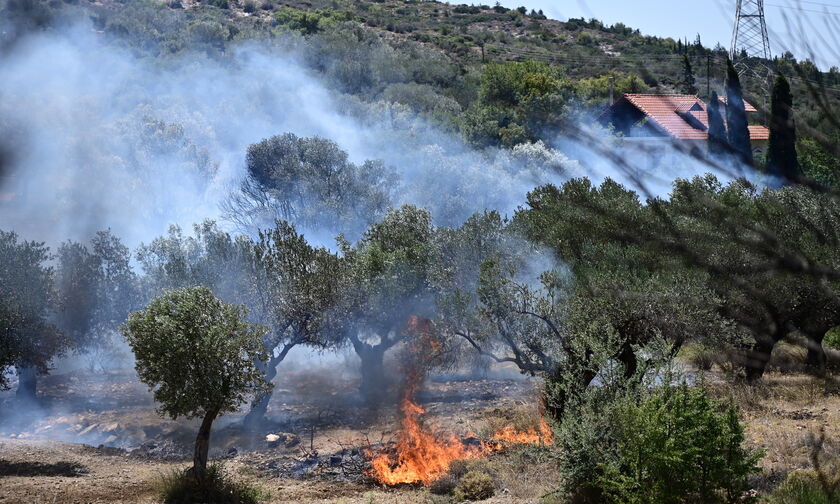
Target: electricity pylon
[[749, 36], [750, 52]]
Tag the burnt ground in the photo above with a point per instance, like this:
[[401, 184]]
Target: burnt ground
[[96, 438]]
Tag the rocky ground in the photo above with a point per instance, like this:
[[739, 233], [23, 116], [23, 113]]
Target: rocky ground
[[98, 438]]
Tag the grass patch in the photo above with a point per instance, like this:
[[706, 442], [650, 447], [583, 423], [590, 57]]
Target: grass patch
[[178, 487]]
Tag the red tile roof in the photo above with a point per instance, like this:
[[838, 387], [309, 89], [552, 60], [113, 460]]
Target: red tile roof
[[683, 116], [759, 133]]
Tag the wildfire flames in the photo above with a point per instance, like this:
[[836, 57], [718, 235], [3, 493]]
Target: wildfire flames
[[510, 435], [421, 456]]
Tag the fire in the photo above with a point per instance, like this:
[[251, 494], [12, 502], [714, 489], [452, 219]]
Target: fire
[[543, 436], [422, 456]]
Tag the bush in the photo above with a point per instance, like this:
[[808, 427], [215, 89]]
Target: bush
[[444, 485], [677, 446], [832, 339], [803, 487], [475, 485], [699, 355], [216, 487]]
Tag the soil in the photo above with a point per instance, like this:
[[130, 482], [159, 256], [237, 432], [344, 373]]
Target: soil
[[97, 438]]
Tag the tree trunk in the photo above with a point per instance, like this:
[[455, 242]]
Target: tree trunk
[[202, 444], [372, 385], [259, 406], [758, 357], [816, 358], [556, 404], [27, 384], [628, 358]]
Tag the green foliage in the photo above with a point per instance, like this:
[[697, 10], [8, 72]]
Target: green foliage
[[832, 339], [309, 181], [309, 23], [688, 77], [27, 337], [196, 352], [819, 162], [96, 288], [517, 102], [176, 487], [677, 446], [475, 485], [595, 90], [806, 486]]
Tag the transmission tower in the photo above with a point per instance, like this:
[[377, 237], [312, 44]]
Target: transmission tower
[[749, 36], [750, 52]]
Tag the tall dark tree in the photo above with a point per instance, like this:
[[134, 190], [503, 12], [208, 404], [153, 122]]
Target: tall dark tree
[[717, 128], [688, 77], [736, 116], [782, 160]]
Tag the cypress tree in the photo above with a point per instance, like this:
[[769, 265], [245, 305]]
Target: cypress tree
[[736, 116], [717, 129], [782, 160], [688, 76]]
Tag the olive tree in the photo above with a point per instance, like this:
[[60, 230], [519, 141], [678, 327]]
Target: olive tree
[[198, 356], [96, 289], [294, 287], [28, 339], [310, 182], [386, 282]]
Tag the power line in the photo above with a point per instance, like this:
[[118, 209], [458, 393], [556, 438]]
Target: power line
[[800, 9]]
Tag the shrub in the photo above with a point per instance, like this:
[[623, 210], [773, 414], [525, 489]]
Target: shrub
[[832, 339], [215, 486], [444, 485], [803, 487], [699, 355], [677, 446], [475, 485]]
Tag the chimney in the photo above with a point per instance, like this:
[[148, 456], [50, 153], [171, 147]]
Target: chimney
[[612, 85]]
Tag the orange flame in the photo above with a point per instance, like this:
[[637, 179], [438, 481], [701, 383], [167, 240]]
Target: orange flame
[[543, 436], [421, 456]]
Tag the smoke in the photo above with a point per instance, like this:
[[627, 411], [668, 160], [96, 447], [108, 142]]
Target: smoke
[[95, 137], [103, 138]]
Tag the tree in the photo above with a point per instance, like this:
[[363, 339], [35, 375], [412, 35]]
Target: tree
[[782, 160], [717, 129], [198, 356], [311, 183], [28, 340], [294, 287], [688, 77], [736, 117], [385, 284], [96, 289]]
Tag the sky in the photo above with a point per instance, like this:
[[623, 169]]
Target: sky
[[789, 21]]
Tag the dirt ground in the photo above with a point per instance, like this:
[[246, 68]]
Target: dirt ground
[[98, 438]]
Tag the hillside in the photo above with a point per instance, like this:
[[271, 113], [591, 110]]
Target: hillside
[[464, 37]]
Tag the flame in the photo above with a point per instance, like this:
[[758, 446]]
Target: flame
[[509, 435], [420, 455]]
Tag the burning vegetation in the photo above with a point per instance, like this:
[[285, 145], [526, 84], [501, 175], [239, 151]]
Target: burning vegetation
[[421, 455]]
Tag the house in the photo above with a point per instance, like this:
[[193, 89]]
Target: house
[[647, 120]]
